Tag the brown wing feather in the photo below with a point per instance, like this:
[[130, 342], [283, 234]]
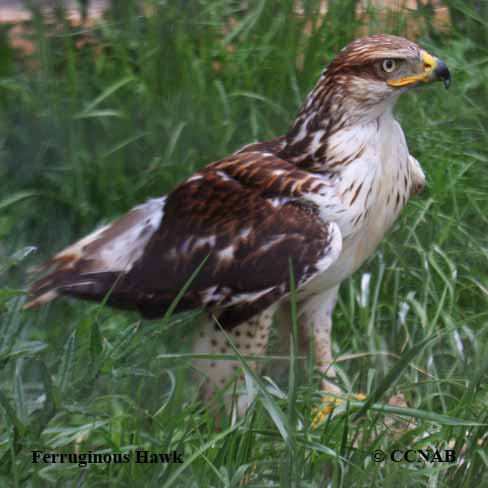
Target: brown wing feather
[[112, 249], [245, 216]]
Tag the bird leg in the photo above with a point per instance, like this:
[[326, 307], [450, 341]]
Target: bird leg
[[316, 326], [249, 338], [316, 323]]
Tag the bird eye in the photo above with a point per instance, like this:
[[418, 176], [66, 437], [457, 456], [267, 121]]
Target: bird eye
[[388, 65]]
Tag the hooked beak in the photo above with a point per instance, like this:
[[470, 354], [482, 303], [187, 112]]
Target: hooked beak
[[433, 69]]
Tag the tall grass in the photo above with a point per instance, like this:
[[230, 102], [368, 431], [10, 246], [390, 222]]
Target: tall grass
[[88, 131]]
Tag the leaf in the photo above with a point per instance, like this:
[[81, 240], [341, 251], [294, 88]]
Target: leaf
[[394, 374], [41, 417], [11, 326], [123, 144], [211, 443], [16, 258], [16, 198], [67, 435], [89, 110], [291, 470], [24, 348], [67, 362], [99, 113], [224, 357], [255, 96], [96, 346], [182, 292], [274, 411], [15, 443], [15, 421], [119, 349], [7, 294], [425, 415]]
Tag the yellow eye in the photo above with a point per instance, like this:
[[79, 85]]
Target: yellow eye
[[388, 65]]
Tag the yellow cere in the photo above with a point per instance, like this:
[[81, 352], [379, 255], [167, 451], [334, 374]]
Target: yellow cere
[[428, 60], [429, 63]]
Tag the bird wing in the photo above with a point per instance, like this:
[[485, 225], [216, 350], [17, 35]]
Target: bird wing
[[243, 219]]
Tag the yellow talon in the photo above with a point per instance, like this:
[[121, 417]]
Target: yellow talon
[[324, 411], [359, 396], [331, 403], [251, 472]]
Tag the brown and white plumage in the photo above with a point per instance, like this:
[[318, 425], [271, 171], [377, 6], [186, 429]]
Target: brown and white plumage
[[321, 197]]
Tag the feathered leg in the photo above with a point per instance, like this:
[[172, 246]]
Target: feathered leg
[[316, 321], [316, 324], [315, 327], [250, 338]]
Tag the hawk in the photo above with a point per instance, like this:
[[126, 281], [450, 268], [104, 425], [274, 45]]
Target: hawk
[[321, 198]]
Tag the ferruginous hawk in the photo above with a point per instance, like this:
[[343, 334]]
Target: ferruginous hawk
[[320, 197]]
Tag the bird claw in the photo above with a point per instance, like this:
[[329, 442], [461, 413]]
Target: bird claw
[[251, 472], [330, 403]]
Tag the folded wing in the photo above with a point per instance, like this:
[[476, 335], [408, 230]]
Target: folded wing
[[247, 218]]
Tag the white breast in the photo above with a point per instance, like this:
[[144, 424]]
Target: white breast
[[373, 190]]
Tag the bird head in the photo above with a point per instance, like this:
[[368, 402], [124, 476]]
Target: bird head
[[360, 84], [374, 70]]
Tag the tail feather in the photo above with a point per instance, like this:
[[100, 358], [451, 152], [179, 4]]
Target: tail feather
[[90, 286], [91, 267]]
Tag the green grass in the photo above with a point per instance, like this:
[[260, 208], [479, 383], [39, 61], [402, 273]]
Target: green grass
[[85, 133]]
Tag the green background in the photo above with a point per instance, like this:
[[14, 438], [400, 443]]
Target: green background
[[99, 118]]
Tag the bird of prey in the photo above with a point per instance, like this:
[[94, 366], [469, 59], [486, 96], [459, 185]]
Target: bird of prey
[[318, 200]]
